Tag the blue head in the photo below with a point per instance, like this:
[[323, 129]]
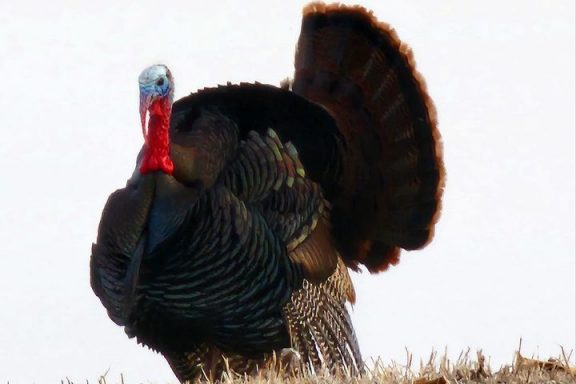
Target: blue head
[[156, 83]]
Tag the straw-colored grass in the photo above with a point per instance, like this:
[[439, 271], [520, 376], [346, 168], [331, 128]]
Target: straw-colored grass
[[437, 370]]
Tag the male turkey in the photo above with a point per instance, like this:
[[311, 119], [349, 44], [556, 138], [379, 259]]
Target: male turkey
[[248, 202]]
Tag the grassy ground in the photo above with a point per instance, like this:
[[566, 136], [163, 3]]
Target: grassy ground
[[436, 370]]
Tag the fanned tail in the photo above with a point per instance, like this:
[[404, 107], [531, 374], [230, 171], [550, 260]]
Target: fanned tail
[[393, 176]]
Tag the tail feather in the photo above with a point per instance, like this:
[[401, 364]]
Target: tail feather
[[340, 324], [320, 328], [393, 176], [335, 330]]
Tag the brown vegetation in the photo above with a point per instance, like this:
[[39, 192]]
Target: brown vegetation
[[435, 371]]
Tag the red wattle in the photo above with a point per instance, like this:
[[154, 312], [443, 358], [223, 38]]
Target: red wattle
[[157, 146]]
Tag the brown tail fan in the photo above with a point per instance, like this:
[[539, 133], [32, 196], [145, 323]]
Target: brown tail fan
[[390, 191]]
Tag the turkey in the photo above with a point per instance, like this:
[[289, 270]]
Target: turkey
[[232, 240]]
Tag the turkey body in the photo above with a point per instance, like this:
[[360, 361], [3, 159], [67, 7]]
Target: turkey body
[[244, 251]]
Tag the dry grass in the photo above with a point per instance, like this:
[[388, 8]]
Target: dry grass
[[436, 370]]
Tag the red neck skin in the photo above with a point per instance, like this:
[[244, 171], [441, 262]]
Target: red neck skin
[[157, 146]]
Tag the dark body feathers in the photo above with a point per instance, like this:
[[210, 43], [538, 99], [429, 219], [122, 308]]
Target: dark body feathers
[[243, 251]]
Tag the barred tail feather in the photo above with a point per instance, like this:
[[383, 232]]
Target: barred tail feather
[[320, 328]]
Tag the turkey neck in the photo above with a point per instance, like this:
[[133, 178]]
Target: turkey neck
[[157, 146]]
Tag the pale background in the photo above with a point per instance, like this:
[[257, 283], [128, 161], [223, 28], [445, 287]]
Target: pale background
[[502, 265]]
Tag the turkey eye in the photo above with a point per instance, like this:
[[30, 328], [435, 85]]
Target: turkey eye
[[160, 82]]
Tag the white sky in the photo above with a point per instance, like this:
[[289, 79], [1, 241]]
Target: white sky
[[502, 265]]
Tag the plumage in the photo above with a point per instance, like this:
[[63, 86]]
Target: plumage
[[231, 243]]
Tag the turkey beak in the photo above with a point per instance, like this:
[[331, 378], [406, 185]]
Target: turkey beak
[[145, 100]]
